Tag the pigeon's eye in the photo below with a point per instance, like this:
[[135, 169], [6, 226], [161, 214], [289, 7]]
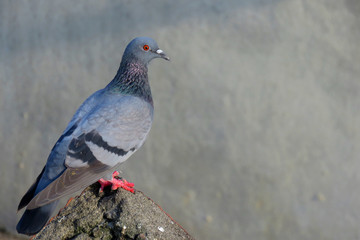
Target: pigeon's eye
[[146, 47]]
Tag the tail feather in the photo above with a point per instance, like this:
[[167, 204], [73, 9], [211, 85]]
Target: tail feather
[[34, 220], [30, 193]]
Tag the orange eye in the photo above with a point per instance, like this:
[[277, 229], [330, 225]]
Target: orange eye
[[146, 47]]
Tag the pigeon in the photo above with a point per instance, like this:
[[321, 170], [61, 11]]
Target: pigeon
[[106, 130]]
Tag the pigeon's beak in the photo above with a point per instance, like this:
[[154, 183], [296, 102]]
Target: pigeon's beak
[[162, 54]]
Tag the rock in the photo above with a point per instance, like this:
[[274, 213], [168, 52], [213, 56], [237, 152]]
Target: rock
[[109, 215]]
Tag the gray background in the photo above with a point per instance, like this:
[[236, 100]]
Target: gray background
[[256, 132]]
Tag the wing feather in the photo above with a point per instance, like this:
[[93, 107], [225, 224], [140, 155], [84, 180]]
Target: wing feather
[[104, 136], [70, 181]]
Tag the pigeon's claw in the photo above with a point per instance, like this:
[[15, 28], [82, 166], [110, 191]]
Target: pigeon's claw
[[115, 174], [122, 183], [116, 183], [104, 183]]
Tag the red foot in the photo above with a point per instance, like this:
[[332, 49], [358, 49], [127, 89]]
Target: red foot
[[116, 183]]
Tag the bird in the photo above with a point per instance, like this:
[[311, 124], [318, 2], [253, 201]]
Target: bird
[[105, 131]]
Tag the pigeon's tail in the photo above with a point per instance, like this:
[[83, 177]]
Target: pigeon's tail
[[35, 219]]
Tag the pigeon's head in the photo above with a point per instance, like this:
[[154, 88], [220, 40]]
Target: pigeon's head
[[144, 49]]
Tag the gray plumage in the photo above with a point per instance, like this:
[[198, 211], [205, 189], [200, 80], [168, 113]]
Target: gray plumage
[[105, 131]]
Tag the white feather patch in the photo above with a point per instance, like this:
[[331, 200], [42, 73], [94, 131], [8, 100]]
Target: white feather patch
[[106, 157], [75, 163]]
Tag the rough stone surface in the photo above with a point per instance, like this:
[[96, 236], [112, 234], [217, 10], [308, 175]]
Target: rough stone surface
[[256, 128], [112, 215]]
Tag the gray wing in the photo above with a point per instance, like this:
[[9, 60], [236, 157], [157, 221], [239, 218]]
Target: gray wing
[[55, 163], [106, 136]]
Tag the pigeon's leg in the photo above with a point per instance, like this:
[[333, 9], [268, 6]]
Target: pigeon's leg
[[116, 183]]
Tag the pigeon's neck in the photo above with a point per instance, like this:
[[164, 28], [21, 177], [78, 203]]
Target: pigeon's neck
[[132, 79]]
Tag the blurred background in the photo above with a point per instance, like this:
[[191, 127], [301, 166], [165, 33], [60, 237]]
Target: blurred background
[[256, 132]]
